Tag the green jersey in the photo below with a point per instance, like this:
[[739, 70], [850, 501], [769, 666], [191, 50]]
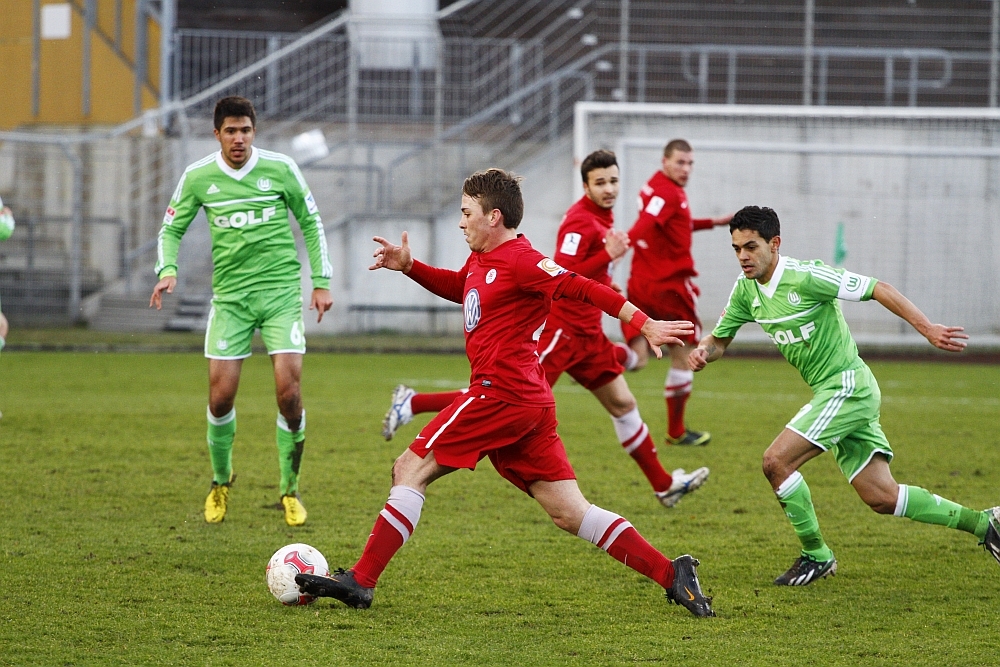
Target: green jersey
[[798, 310], [247, 208]]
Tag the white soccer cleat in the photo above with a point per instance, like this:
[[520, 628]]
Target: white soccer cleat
[[683, 484], [400, 412]]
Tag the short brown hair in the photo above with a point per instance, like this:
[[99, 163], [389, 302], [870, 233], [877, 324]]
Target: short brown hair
[[599, 159], [497, 189], [676, 145], [234, 107]]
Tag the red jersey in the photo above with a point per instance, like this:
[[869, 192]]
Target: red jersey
[[506, 294], [580, 248], [661, 238]]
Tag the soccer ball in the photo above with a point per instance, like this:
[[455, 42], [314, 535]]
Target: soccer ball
[[285, 564]]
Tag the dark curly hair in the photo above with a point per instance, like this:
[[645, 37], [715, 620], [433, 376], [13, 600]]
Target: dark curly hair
[[764, 221], [234, 107]]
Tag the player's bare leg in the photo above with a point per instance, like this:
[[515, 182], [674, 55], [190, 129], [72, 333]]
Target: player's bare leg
[[569, 510], [633, 434], [356, 587], [223, 383], [640, 347], [290, 433]]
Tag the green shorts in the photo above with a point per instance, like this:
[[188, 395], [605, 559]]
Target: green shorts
[[234, 317], [843, 417]]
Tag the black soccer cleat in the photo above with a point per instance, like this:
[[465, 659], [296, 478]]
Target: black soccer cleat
[[991, 542], [340, 586], [686, 591], [690, 439], [806, 570]]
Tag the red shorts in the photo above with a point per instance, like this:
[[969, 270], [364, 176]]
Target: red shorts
[[677, 301], [521, 441], [588, 358]]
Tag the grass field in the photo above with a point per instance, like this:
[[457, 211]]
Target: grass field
[[106, 559]]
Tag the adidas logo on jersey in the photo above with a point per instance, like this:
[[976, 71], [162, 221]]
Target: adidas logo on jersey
[[213, 190], [756, 302]]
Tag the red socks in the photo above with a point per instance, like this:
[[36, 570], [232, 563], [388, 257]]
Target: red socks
[[633, 433], [393, 527], [624, 543], [676, 391]]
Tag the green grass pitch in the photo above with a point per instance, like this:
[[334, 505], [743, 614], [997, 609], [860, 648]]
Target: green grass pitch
[[105, 558]]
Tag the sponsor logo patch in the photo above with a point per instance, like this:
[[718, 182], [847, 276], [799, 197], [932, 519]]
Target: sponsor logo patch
[[169, 216], [550, 267], [655, 205], [570, 244], [311, 204], [472, 310], [213, 189]]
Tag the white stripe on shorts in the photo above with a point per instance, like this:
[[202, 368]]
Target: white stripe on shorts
[[448, 423], [832, 407]]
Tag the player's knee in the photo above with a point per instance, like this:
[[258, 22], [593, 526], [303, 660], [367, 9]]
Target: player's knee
[[563, 522], [220, 406], [775, 469], [880, 501]]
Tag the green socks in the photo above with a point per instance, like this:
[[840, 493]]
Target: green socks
[[290, 446], [921, 505], [221, 431], [795, 499]]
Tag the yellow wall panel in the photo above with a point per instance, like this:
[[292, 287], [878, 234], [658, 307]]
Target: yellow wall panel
[[153, 48], [111, 87], [128, 29], [106, 18], [61, 68]]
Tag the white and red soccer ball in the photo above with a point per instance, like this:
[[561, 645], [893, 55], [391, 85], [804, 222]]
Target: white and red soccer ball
[[285, 564]]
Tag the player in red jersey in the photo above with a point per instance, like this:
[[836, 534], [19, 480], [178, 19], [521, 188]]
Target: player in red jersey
[[506, 288], [573, 339], [661, 279]]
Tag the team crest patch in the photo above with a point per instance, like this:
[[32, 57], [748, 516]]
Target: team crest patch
[[794, 298], [472, 310], [222, 345], [264, 184], [491, 276], [550, 267]]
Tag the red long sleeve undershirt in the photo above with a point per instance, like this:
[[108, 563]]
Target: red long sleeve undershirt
[[450, 285]]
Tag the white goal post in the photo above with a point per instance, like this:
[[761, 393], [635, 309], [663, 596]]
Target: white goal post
[[913, 193]]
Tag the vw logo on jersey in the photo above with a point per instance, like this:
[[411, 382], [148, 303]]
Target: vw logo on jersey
[[264, 184], [473, 309], [491, 276], [794, 298]]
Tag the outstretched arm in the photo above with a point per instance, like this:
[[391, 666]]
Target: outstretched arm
[[940, 336], [657, 332], [709, 349], [445, 283]]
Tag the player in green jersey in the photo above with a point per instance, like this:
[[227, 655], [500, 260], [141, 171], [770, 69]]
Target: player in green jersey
[[247, 194], [6, 229], [796, 304]]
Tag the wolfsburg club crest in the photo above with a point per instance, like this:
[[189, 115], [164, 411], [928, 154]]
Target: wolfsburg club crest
[[264, 184]]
